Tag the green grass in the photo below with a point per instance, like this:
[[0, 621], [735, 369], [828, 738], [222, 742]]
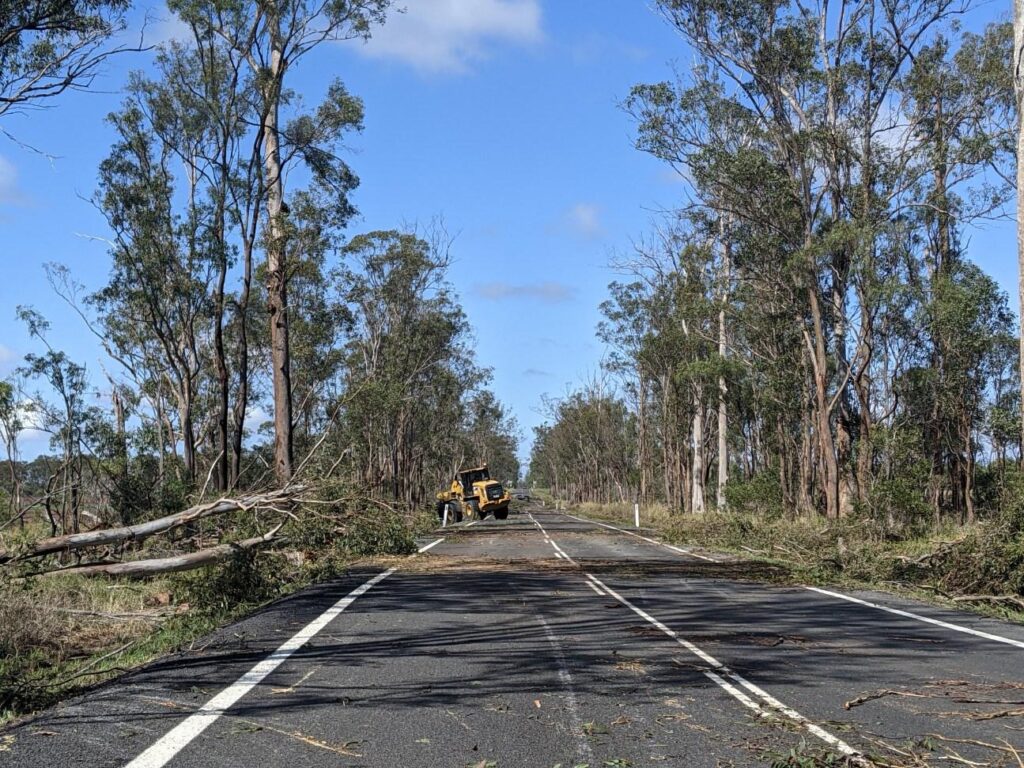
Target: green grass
[[61, 634]]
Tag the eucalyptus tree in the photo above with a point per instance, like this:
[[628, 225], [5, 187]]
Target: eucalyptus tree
[[48, 47], [272, 38], [156, 305], [66, 420], [408, 367], [11, 426]]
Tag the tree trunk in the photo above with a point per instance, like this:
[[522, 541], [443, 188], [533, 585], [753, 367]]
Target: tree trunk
[[1018, 86], [106, 536], [277, 278], [697, 466], [723, 412], [157, 566]]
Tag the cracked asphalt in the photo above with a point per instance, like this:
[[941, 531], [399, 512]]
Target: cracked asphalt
[[545, 640]]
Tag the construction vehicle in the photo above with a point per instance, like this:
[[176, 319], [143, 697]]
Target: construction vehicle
[[475, 495]]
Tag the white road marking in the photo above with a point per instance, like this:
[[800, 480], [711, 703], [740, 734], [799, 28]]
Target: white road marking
[[596, 588], [918, 617], [171, 743], [721, 675], [160, 753], [838, 595], [559, 552], [583, 750], [645, 538]]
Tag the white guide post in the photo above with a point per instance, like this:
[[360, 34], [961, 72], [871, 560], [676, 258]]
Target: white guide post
[[636, 514], [444, 523]]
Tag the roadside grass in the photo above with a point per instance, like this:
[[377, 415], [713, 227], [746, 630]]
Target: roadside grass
[[979, 567], [63, 633]]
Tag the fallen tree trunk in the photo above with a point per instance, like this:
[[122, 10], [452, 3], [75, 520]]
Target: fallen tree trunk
[[160, 565], [1014, 600], [141, 531]]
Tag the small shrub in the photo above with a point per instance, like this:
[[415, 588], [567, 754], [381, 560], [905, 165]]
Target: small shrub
[[246, 578], [759, 495]]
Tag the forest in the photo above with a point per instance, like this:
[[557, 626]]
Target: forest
[[254, 341], [805, 333]]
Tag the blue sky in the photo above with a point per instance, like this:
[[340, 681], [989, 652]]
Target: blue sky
[[501, 116]]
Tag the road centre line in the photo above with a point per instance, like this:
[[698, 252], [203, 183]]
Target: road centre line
[[175, 740], [725, 678], [559, 552], [645, 538], [841, 596], [583, 750]]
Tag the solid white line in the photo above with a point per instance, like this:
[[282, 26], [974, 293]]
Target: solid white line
[[428, 546], [838, 595], [918, 617], [725, 672], [160, 753], [645, 538], [571, 704]]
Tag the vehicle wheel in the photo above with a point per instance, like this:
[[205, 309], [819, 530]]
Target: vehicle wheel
[[455, 510], [501, 514], [474, 507]]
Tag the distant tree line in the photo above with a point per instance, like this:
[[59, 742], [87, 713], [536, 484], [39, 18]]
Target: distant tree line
[[805, 332], [251, 340]]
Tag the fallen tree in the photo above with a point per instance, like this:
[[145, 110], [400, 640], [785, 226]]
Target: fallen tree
[[161, 565], [106, 536]]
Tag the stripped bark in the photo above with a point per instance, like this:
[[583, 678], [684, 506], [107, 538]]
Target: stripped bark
[[161, 565], [141, 531]]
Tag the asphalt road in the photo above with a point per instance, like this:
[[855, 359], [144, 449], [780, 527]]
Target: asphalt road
[[546, 640]]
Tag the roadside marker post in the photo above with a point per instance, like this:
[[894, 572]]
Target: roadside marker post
[[444, 522], [636, 514]]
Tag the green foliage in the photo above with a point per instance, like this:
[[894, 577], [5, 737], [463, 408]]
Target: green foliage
[[760, 495], [245, 579], [378, 532]]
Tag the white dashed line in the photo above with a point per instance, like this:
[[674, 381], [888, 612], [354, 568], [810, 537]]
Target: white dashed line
[[583, 750], [728, 680], [837, 595], [680, 550]]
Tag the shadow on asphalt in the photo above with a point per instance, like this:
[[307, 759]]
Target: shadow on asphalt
[[851, 652]]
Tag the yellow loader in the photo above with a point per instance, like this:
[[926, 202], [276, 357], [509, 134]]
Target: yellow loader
[[473, 494]]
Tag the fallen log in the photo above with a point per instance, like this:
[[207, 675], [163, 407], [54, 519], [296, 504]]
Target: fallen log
[[1013, 600], [141, 531], [161, 565]]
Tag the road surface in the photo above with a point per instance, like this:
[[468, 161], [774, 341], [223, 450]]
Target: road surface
[[547, 640]]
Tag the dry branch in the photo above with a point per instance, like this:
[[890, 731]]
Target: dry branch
[[141, 531], [161, 565], [1011, 599]]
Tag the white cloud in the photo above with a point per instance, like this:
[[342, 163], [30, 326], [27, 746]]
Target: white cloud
[[159, 26], [10, 194], [584, 219], [450, 35], [548, 291]]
